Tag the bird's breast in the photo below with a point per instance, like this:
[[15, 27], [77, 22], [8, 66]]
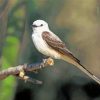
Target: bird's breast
[[43, 47]]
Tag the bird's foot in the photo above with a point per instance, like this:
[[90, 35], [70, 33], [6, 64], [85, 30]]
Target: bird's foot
[[50, 61]]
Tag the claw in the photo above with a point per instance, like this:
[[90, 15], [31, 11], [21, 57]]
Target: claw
[[50, 61]]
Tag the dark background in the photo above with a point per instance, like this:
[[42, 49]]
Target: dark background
[[76, 22]]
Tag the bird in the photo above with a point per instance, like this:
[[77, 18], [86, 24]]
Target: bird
[[49, 44]]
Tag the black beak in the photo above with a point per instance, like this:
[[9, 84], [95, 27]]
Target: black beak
[[34, 26]]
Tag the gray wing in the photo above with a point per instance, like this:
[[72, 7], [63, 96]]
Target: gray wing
[[55, 43]]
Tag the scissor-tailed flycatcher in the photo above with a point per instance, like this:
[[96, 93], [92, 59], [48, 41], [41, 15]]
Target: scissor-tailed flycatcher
[[51, 45]]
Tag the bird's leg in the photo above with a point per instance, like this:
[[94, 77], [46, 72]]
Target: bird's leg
[[50, 61]]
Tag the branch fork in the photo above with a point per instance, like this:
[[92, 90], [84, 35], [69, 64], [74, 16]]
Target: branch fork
[[19, 71]]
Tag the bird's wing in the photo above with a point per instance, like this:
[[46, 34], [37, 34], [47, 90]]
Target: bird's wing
[[55, 43]]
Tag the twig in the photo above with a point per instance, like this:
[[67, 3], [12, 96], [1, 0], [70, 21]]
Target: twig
[[19, 71]]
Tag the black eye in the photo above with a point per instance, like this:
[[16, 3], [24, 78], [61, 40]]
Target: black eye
[[41, 25]]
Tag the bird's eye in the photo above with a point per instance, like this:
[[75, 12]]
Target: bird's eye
[[41, 25]]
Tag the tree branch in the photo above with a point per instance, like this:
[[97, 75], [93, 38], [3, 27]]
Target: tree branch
[[19, 71]]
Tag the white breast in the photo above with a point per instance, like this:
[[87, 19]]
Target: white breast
[[42, 46]]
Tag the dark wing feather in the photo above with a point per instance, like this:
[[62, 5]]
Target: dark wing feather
[[55, 43]]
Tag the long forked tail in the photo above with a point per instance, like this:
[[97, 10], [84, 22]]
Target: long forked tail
[[81, 67], [76, 62]]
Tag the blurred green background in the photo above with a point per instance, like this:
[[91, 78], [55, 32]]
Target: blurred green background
[[76, 22]]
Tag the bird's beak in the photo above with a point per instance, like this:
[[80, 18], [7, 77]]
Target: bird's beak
[[34, 25]]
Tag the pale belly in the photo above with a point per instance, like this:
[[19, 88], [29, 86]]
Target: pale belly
[[42, 47]]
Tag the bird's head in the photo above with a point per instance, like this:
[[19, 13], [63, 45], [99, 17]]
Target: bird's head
[[40, 25]]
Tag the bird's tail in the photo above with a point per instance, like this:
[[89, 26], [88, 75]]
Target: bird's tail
[[82, 68]]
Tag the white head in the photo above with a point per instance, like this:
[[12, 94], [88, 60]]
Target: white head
[[40, 25]]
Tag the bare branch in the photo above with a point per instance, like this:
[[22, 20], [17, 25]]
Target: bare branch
[[19, 71]]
